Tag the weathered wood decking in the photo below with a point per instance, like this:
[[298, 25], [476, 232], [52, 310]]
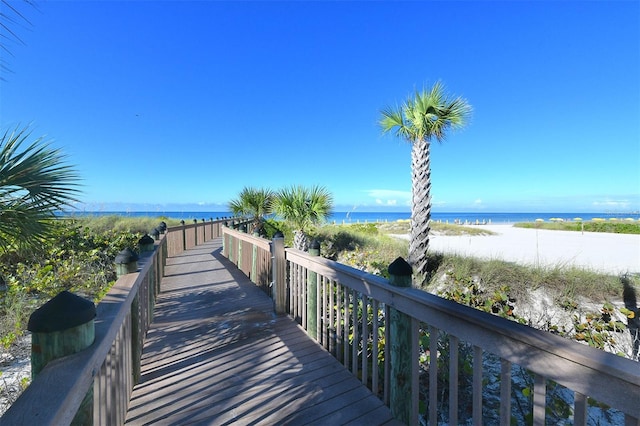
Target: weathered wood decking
[[217, 354]]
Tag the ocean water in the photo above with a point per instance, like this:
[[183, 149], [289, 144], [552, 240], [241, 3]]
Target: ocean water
[[365, 217]]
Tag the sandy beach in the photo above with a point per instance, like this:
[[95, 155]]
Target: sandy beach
[[611, 253]]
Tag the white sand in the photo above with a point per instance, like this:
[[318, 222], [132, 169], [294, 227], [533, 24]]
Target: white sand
[[611, 253]]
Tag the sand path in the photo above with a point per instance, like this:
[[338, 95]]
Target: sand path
[[611, 253]]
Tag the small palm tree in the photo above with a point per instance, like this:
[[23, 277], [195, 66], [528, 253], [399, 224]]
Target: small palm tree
[[426, 116], [303, 208], [253, 202], [35, 182]]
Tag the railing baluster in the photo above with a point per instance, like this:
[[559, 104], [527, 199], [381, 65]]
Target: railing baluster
[[355, 335], [374, 349], [338, 324], [539, 399], [505, 392], [325, 313], [303, 296], [345, 331], [453, 379], [580, 409], [433, 375], [477, 385], [318, 312], [387, 351], [365, 340], [292, 290], [415, 371]]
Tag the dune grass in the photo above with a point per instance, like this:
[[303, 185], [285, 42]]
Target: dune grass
[[370, 247], [440, 228], [116, 223], [616, 227]]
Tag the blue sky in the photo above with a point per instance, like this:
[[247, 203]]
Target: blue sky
[[178, 105]]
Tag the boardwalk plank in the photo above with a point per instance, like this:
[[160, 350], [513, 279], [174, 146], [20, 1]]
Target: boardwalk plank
[[216, 354]]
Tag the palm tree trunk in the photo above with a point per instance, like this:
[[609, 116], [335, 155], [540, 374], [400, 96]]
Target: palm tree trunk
[[420, 208], [300, 240]]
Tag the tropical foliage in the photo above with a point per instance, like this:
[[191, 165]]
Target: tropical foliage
[[426, 116], [35, 182], [76, 257], [303, 207], [255, 203]]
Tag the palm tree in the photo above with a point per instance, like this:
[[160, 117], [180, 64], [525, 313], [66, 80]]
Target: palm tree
[[426, 116], [35, 182], [303, 207], [253, 202]]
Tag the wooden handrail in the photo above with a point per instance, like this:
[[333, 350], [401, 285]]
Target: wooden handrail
[[343, 290], [110, 363]]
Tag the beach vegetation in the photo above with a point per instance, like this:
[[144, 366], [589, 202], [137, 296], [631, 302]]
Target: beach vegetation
[[426, 116], [77, 256], [594, 225], [256, 203], [303, 208], [113, 223]]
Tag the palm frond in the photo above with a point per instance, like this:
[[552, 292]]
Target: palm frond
[[35, 182], [426, 115]]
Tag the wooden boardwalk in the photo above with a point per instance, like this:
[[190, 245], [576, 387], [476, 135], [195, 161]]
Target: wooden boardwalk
[[216, 354]]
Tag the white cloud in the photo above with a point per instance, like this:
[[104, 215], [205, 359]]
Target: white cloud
[[612, 203], [477, 202], [390, 197]]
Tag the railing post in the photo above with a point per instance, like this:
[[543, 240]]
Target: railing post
[[126, 262], [279, 272], [184, 236], [254, 259], [225, 248], [195, 232], [63, 326], [312, 294], [400, 343], [146, 243]]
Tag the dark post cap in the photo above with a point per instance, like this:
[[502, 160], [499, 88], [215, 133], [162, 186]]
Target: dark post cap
[[278, 235], [146, 239], [64, 311], [400, 267], [315, 244], [182, 222], [126, 256], [156, 232], [162, 227]]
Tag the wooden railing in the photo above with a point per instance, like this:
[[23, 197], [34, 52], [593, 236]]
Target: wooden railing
[[110, 367], [487, 369]]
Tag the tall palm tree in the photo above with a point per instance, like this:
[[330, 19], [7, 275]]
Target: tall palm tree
[[35, 182], [425, 117], [303, 207], [253, 202]]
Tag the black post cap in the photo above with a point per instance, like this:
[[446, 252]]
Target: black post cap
[[146, 239], [278, 235], [162, 227], [315, 244], [400, 267], [126, 256], [64, 311]]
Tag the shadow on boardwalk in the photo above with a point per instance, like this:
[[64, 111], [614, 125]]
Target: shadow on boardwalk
[[217, 354]]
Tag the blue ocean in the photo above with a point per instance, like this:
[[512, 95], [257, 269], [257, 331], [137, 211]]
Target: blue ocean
[[366, 217]]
